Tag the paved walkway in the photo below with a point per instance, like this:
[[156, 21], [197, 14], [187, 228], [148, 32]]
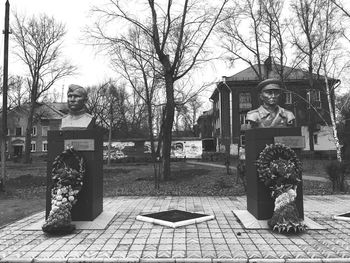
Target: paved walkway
[[305, 176], [220, 240]]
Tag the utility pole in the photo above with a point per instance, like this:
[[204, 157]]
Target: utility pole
[[4, 96]]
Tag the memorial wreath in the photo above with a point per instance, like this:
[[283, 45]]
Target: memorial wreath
[[67, 173], [280, 170]]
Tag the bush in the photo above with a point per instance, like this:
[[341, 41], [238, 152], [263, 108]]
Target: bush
[[336, 172]]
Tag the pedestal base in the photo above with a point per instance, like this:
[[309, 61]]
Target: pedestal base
[[250, 222], [259, 201], [90, 198]]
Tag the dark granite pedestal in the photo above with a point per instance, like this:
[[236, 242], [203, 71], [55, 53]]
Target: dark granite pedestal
[[89, 143], [259, 201]]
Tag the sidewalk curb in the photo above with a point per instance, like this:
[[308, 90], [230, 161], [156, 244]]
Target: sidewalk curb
[[175, 260]]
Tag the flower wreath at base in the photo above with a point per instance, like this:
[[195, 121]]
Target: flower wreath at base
[[68, 171], [280, 170]]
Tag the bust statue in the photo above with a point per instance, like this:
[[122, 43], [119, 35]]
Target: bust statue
[[270, 114], [77, 118]]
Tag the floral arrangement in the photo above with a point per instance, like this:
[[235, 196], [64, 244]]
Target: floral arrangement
[[68, 171], [280, 170]]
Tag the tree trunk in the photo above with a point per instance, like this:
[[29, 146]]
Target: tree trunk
[[151, 138], [311, 115], [28, 140], [168, 125], [311, 132], [110, 133], [332, 114]]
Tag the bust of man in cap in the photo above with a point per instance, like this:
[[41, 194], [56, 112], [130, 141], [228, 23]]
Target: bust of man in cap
[[77, 118], [270, 114]]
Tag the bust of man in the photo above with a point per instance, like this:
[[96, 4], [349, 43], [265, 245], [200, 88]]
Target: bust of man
[[270, 114], [77, 117]]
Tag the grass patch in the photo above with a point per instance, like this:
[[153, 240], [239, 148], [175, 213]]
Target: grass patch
[[26, 188], [14, 209], [186, 179]]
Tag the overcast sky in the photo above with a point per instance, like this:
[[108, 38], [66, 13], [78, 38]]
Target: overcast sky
[[92, 68]]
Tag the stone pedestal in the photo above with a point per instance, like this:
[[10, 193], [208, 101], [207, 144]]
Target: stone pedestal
[[259, 201], [89, 143]]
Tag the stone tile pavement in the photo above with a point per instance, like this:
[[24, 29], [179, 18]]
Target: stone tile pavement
[[220, 240]]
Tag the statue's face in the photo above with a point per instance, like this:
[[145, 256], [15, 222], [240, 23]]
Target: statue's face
[[270, 95], [76, 100]]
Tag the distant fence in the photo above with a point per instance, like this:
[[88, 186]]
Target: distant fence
[[140, 150]]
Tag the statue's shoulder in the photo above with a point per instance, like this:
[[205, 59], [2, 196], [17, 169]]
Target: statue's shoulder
[[253, 115], [87, 115], [288, 114]]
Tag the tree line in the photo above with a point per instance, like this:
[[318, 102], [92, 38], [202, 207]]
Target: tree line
[[155, 48]]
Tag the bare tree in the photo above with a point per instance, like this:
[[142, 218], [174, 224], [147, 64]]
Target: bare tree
[[187, 108], [276, 26], [17, 94], [135, 60], [341, 7], [38, 44], [179, 33], [307, 40], [128, 112], [330, 56], [265, 43], [343, 108], [317, 36], [250, 46]]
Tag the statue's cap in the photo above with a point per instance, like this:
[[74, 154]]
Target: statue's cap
[[74, 87], [263, 85]]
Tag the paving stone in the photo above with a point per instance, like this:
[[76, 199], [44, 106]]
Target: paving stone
[[119, 254], [164, 254], [126, 238], [268, 254], [149, 254], [90, 254], [193, 254], [178, 254], [74, 254]]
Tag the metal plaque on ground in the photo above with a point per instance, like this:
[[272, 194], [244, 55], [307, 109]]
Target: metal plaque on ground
[[174, 218]]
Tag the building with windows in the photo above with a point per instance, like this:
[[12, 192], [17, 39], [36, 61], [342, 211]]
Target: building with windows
[[205, 130], [46, 117], [234, 96]]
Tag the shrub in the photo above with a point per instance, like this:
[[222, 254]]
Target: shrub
[[336, 172]]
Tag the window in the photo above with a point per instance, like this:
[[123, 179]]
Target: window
[[44, 146], [7, 147], [243, 118], [242, 139], [314, 98], [289, 97], [245, 101], [18, 131], [317, 95], [44, 130], [315, 138], [33, 147], [34, 131]]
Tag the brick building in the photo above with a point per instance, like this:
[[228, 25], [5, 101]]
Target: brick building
[[205, 128], [234, 96], [46, 117]]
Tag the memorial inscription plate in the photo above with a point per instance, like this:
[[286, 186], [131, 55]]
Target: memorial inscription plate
[[291, 141], [80, 144]]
